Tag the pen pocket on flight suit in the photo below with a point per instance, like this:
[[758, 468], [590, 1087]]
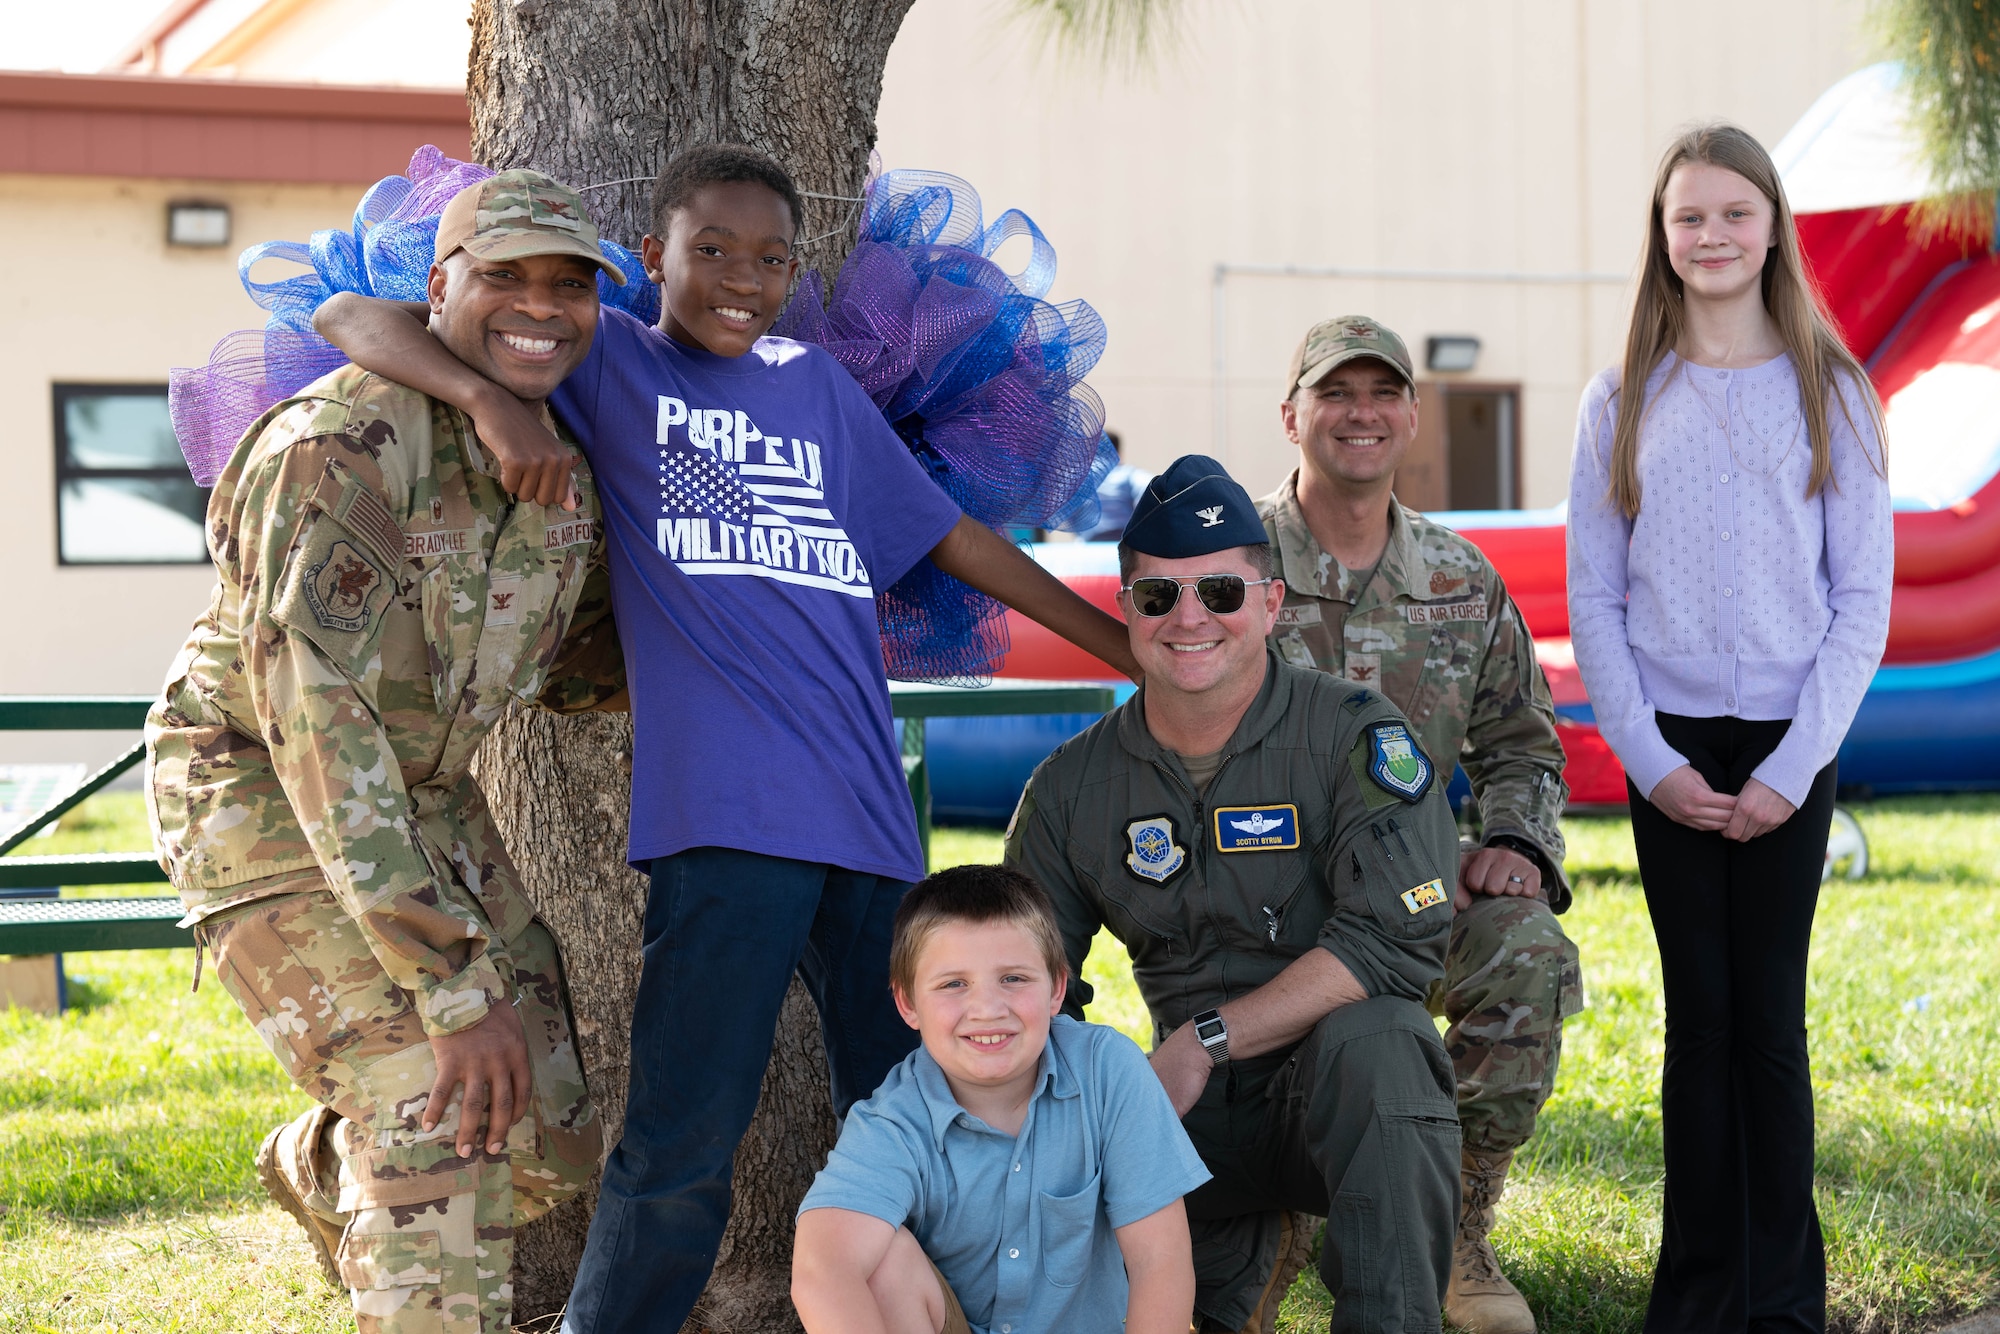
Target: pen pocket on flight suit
[[1387, 865], [454, 613], [1069, 1225]]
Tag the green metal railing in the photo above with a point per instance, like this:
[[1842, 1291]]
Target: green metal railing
[[40, 926], [71, 713], [913, 704]]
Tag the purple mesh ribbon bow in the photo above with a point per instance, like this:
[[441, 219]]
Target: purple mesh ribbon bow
[[982, 379]]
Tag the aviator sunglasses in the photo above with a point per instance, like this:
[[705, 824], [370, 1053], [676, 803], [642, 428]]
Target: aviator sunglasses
[[1156, 594]]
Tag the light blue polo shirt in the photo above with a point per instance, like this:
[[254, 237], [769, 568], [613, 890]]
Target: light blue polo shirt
[[1022, 1227]]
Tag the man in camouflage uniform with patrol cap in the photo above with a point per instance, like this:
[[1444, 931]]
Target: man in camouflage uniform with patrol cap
[[381, 601], [1276, 853], [1379, 594]]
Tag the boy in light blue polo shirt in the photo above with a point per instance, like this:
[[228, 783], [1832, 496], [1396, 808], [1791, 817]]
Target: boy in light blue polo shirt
[[1019, 1171]]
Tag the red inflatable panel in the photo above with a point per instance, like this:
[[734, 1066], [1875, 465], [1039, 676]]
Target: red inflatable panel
[[1531, 562], [1558, 663], [1945, 622], [1042, 655], [1945, 545], [1943, 328], [1593, 773], [1870, 269]]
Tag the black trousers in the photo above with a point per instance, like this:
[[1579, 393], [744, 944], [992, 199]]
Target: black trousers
[[1741, 1248]]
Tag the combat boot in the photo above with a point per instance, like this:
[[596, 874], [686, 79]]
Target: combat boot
[[1480, 1300], [298, 1170], [1295, 1238]]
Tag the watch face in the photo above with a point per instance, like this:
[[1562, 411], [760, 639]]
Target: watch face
[[1209, 1031]]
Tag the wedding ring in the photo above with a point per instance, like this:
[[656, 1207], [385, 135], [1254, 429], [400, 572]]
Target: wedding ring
[[1516, 880]]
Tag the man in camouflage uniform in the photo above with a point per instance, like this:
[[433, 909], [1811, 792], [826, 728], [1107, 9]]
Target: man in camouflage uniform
[[1379, 594], [381, 601]]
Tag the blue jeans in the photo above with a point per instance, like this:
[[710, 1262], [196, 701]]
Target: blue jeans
[[725, 930]]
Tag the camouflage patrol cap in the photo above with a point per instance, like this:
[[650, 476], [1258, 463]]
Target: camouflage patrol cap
[[518, 213], [1335, 342]]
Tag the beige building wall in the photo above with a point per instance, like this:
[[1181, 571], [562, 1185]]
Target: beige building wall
[[1505, 138], [97, 296], [1502, 137], [423, 43]]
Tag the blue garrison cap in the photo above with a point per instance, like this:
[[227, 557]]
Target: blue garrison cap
[[1193, 508]]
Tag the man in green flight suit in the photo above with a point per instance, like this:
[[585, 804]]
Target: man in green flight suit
[[380, 601], [1275, 851], [1378, 594]]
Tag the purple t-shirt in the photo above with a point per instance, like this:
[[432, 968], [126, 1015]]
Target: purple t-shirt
[[755, 505]]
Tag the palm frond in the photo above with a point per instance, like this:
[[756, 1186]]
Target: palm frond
[[1950, 53], [1110, 32]]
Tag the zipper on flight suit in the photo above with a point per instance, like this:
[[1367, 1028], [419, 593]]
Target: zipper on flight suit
[[1276, 916]]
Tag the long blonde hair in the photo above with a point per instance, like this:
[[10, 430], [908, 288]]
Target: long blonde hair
[[1659, 320]]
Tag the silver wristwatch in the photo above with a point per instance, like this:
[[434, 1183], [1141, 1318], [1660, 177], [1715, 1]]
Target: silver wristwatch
[[1213, 1034]]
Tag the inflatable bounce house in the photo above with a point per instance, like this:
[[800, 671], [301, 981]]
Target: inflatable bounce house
[[1925, 320]]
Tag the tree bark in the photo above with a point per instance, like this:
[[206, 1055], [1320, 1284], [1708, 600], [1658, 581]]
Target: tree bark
[[598, 93]]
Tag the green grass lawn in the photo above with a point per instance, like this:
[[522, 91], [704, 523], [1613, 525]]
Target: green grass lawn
[[127, 1199]]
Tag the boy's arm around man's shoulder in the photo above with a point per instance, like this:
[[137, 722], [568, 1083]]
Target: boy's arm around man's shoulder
[[392, 339]]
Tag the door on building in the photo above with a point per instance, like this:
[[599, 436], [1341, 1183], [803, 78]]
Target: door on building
[[1465, 456]]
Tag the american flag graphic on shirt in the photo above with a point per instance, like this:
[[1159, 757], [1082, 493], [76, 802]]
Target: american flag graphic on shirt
[[735, 501]]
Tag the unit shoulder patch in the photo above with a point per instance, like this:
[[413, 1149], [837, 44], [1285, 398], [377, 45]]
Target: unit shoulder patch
[[1273, 828], [1427, 895], [1396, 762], [1156, 852], [338, 588]]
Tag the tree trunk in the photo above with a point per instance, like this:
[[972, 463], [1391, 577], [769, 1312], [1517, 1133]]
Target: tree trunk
[[604, 91]]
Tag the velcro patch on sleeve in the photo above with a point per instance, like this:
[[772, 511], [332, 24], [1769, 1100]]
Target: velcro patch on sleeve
[[1397, 763], [1427, 895], [363, 513], [335, 593]]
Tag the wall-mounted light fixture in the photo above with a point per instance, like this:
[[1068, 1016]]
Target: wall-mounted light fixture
[[194, 223], [1450, 352]]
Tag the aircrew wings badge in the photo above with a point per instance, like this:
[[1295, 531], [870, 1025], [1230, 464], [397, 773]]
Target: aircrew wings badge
[[1397, 763], [1155, 854]]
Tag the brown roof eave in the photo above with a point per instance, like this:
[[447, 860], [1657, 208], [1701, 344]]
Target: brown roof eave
[[229, 97]]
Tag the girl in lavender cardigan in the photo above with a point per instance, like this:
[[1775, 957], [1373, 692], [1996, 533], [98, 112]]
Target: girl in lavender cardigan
[[1730, 560]]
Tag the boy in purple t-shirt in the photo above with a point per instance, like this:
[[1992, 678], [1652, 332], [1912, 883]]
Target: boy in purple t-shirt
[[755, 502]]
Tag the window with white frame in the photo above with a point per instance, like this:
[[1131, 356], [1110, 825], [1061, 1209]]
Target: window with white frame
[[123, 494]]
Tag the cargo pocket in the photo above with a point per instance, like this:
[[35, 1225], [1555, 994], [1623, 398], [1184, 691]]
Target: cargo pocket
[[372, 1262], [308, 983], [1420, 1141], [1356, 1231], [1069, 1227]]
